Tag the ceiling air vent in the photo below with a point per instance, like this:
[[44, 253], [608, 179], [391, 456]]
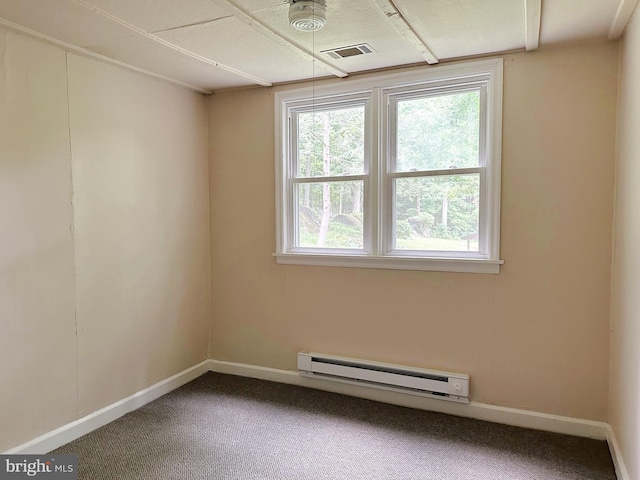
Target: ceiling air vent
[[350, 51]]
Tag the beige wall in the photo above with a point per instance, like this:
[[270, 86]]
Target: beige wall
[[104, 258], [534, 337], [625, 340], [140, 174], [37, 292]]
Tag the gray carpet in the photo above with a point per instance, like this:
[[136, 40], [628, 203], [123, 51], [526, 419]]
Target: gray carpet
[[224, 427]]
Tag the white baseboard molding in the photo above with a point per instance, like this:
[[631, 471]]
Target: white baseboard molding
[[616, 455], [67, 433], [481, 411], [477, 410]]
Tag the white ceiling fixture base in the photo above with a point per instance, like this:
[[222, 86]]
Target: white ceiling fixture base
[[307, 15]]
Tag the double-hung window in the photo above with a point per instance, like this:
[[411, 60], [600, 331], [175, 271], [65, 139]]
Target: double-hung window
[[396, 171]]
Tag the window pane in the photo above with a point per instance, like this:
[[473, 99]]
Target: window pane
[[330, 214], [331, 142], [438, 132], [437, 213]]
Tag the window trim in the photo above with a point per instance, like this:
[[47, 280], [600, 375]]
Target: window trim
[[379, 88]]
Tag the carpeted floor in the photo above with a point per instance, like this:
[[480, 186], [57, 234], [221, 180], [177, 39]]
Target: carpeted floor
[[224, 427]]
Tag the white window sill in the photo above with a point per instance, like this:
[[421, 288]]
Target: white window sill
[[463, 265]]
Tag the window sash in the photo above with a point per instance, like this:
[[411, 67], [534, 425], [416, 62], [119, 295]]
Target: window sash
[[294, 180], [392, 97], [295, 215], [389, 233], [389, 127], [295, 134]]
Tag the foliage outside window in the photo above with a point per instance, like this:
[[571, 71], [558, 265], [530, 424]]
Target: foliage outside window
[[398, 171]]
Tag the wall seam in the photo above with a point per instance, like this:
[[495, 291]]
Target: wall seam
[[208, 137], [73, 231], [613, 232]]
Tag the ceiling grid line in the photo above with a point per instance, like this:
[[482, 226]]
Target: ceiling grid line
[[404, 27], [271, 34], [532, 24], [172, 46], [197, 24]]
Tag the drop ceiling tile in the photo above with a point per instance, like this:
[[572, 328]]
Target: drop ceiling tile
[[153, 57], [575, 20], [158, 15], [245, 49], [63, 20], [456, 28]]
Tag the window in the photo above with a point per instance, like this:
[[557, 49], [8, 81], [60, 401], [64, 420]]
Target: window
[[398, 171]]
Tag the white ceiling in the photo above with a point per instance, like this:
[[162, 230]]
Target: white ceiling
[[215, 44]]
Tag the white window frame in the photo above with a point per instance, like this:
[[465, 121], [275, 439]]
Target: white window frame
[[377, 93], [291, 205]]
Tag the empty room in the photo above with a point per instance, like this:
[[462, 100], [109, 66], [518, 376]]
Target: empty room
[[320, 239]]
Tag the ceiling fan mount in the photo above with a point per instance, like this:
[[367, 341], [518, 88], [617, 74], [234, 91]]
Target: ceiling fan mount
[[307, 15]]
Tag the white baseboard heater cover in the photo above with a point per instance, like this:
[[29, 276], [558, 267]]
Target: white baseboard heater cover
[[417, 381]]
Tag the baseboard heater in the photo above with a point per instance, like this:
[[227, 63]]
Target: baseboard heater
[[417, 381]]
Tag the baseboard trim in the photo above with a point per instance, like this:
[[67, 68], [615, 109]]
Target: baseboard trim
[[616, 455], [481, 411], [477, 410], [71, 431]]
